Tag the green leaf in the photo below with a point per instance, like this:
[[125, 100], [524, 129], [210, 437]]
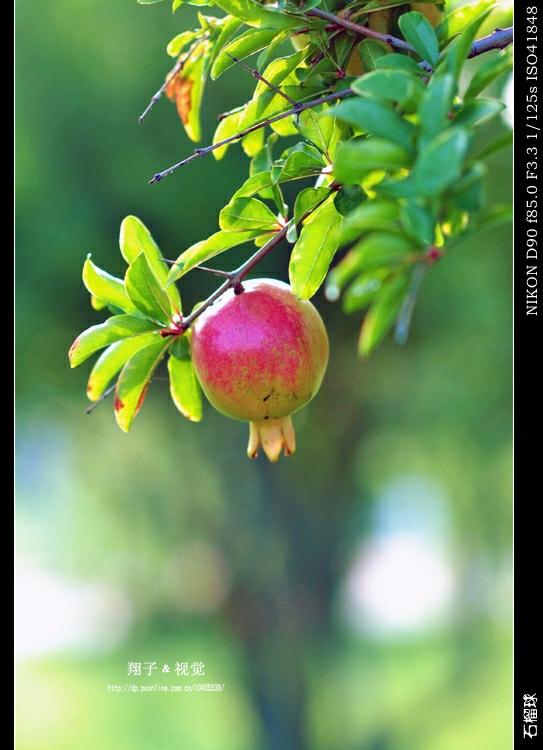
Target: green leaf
[[348, 198], [97, 304], [258, 15], [494, 217], [112, 360], [267, 54], [403, 321], [247, 214], [292, 232], [394, 188], [503, 141], [341, 275], [108, 289], [377, 118], [307, 200], [255, 184], [342, 46], [244, 45], [178, 43], [303, 160], [354, 160], [134, 239], [478, 111], [454, 221], [146, 291], [269, 104], [324, 69], [286, 126], [134, 380], [440, 162], [206, 249], [376, 214], [420, 35], [313, 253], [468, 192], [263, 238], [184, 386], [381, 249], [456, 54], [363, 290], [393, 85], [456, 21], [114, 329], [252, 143], [382, 314], [435, 107], [399, 62], [418, 221], [279, 70], [371, 53], [227, 127], [323, 132], [227, 29], [488, 72]]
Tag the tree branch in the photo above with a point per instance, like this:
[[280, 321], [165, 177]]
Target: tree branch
[[236, 277], [364, 30], [294, 111], [499, 39]]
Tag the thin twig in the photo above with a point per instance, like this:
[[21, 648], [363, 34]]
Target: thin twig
[[233, 111], [177, 68], [259, 77], [216, 271], [296, 110], [104, 395]]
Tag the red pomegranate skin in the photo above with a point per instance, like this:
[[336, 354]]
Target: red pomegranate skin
[[261, 354]]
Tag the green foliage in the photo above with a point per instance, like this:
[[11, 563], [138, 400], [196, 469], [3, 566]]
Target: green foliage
[[184, 386], [137, 341], [313, 253], [420, 35], [395, 185], [134, 380]]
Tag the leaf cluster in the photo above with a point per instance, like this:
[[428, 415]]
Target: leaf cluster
[[391, 180], [144, 329]]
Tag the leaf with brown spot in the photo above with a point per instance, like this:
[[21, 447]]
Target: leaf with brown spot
[[178, 91], [186, 90], [112, 360], [134, 380]]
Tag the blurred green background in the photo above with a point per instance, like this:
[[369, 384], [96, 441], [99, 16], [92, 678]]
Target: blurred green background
[[354, 596]]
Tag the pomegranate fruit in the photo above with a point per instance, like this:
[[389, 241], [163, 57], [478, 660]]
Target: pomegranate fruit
[[261, 355]]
